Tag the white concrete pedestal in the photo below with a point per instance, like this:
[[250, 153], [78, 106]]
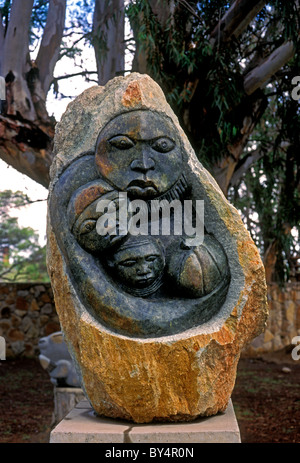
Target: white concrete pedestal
[[65, 399], [81, 425]]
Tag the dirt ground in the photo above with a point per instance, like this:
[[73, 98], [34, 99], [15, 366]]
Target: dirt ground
[[266, 399], [26, 401]]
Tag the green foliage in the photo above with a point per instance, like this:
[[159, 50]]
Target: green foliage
[[180, 59], [268, 194], [287, 13], [21, 256]]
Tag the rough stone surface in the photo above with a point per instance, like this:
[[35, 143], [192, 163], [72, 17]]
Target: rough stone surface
[[177, 377], [82, 425]]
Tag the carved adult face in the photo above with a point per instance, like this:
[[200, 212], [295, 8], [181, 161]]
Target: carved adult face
[[138, 265], [140, 152]]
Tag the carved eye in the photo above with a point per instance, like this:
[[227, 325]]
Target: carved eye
[[151, 258], [121, 142], [87, 226], [127, 263], [163, 145]]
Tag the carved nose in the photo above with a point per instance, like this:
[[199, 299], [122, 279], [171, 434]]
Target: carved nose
[[143, 165], [143, 269]]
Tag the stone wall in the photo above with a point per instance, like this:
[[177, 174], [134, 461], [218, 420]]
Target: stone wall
[[27, 313], [283, 322]]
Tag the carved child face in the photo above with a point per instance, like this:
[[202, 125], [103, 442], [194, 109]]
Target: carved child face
[[138, 265], [139, 152]]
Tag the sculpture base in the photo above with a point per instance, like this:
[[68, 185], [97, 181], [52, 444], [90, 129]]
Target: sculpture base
[[65, 399], [81, 425]]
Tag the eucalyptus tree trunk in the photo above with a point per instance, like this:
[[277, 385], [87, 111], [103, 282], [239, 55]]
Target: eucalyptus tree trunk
[[51, 41], [26, 130], [108, 39], [15, 63]]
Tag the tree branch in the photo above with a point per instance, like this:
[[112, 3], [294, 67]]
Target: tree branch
[[51, 41], [29, 201], [186, 5], [15, 265], [245, 165], [82, 73], [27, 148], [262, 73], [236, 19], [65, 53], [225, 168]]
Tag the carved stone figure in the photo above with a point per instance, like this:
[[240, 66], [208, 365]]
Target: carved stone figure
[[138, 265], [155, 319], [139, 153]]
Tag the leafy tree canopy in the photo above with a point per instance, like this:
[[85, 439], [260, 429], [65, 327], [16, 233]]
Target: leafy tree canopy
[[21, 256]]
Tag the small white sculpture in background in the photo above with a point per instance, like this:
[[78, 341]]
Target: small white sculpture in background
[[55, 358]]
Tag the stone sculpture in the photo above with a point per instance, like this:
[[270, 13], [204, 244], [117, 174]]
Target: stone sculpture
[[154, 321]]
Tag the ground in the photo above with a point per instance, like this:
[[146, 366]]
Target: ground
[[26, 401], [266, 399]]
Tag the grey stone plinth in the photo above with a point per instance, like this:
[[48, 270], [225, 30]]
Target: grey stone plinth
[[65, 399], [82, 425]]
